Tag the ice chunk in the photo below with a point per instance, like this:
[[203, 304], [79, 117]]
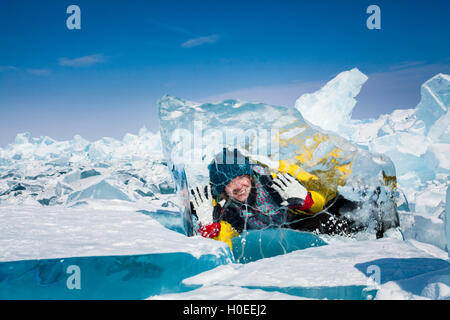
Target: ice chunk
[[435, 100], [358, 263], [100, 190], [226, 293], [57, 232], [440, 152], [280, 139], [430, 199], [417, 141], [439, 288], [165, 188], [169, 219], [102, 277], [402, 142], [331, 107], [440, 130], [431, 285], [120, 253], [447, 219], [134, 163], [424, 228], [259, 244], [105, 149], [200, 132], [23, 138], [89, 173]]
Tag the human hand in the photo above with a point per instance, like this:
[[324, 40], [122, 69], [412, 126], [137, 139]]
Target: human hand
[[202, 203], [211, 230], [289, 187]]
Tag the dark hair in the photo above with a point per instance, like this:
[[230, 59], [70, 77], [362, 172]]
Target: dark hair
[[222, 170]]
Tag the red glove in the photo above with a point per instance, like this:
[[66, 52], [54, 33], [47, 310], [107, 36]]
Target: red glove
[[211, 230], [307, 203], [300, 204]]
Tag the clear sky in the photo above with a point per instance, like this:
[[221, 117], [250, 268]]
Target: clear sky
[[106, 78]]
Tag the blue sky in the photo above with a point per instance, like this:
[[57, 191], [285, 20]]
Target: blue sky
[[106, 79]]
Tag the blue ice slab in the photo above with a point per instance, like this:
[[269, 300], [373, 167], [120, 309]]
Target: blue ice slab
[[193, 134], [447, 219], [435, 99], [394, 269], [103, 277], [182, 191], [258, 244], [170, 219], [89, 173], [100, 190], [356, 292]]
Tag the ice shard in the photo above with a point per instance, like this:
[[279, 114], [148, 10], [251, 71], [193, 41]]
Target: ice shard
[[193, 134]]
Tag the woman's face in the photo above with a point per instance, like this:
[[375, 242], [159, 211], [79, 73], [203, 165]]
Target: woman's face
[[239, 188]]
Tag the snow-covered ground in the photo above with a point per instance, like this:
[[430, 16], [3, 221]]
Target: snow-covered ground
[[110, 206], [115, 228], [345, 270], [119, 253]]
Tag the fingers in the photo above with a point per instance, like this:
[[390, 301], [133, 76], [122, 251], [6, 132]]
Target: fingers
[[281, 181], [285, 179], [288, 177], [195, 201], [278, 184], [201, 196], [208, 191], [277, 188]]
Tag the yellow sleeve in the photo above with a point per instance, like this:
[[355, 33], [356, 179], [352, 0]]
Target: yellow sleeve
[[319, 202], [227, 233], [307, 180]]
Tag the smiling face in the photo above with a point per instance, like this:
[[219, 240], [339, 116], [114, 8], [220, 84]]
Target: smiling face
[[239, 188]]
